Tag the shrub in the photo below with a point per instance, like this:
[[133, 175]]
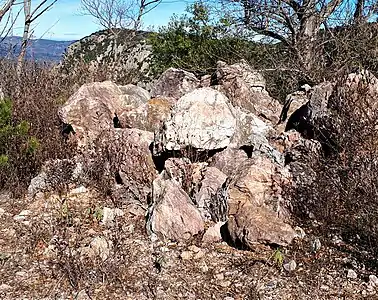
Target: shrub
[[196, 42], [343, 195]]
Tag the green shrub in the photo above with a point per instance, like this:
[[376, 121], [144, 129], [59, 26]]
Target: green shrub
[[196, 42]]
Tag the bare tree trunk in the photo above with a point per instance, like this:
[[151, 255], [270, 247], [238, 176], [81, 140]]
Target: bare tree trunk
[[305, 45], [359, 12], [25, 36]]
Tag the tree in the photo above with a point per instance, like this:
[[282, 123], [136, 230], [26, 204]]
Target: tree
[[30, 16], [115, 15], [297, 23]]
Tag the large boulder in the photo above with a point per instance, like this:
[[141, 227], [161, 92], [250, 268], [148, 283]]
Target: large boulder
[[203, 120], [172, 214], [124, 154], [174, 83], [258, 183], [314, 110], [149, 116], [251, 226], [91, 109], [245, 88]]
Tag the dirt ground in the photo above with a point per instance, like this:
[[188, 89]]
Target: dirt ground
[[58, 248]]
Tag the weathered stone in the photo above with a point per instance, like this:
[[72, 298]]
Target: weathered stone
[[149, 116], [290, 266], [251, 226], [126, 155], [110, 214], [174, 83], [99, 246], [212, 181], [213, 234], [172, 214], [352, 274], [202, 119], [258, 183], [91, 109], [229, 160], [245, 88]]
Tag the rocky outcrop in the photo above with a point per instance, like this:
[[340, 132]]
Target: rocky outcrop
[[174, 83], [127, 56], [222, 163], [172, 215]]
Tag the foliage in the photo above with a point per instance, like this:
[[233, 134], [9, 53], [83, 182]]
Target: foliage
[[11, 134], [196, 42]]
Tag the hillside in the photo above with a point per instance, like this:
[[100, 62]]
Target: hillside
[[39, 50]]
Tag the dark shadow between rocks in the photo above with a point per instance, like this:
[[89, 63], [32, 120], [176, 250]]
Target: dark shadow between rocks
[[225, 234], [193, 154]]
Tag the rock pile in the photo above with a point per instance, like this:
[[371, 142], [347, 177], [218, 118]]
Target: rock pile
[[202, 157]]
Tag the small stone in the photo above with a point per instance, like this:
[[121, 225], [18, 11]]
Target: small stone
[[225, 283], [324, 287], [79, 190], [194, 248], [109, 215], [219, 276], [299, 232], [204, 268], [199, 254], [82, 295], [290, 266], [2, 211], [351, 274], [316, 245], [373, 280], [22, 215], [5, 287], [21, 274], [229, 298], [186, 255]]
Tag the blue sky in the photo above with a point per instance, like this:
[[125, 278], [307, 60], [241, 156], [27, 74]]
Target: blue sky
[[65, 20]]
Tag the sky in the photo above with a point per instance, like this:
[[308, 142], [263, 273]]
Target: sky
[[65, 20]]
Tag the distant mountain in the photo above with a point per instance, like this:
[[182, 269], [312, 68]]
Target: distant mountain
[[39, 50]]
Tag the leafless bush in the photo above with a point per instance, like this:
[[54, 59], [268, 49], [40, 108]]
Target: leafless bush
[[343, 195], [36, 96]]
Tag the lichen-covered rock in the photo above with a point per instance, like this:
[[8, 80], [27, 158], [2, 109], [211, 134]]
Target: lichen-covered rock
[[174, 83], [202, 119], [172, 214]]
